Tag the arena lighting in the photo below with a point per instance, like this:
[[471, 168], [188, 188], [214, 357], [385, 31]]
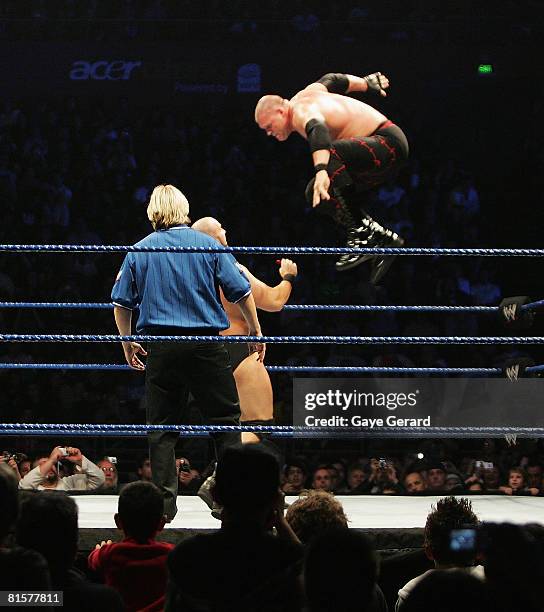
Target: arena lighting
[[485, 69]]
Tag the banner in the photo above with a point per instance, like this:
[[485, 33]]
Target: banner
[[373, 403]]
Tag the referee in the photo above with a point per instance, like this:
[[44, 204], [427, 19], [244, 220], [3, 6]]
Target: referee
[[178, 294]]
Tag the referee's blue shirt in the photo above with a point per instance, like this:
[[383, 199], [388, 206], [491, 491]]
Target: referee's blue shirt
[[179, 289]]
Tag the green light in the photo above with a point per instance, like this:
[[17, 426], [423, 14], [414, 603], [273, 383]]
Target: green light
[[485, 69]]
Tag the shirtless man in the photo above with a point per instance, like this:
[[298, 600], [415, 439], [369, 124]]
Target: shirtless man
[[353, 146], [252, 379]]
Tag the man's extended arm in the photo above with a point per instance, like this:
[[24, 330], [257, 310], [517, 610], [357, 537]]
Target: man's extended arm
[[90, 477], [273, 299], [336, 82]]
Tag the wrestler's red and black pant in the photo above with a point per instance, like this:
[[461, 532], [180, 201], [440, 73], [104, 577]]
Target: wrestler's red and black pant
[[362, 162]]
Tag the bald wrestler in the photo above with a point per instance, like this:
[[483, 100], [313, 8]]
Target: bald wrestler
[[354, 148], [252, 379]]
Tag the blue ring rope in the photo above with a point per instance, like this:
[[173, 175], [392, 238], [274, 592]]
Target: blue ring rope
[[276, 430], [272, 368], [293, 307], [276, 339], [285, 250], [287, 307]]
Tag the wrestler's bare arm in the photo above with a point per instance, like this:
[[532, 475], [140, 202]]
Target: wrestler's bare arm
[[303, 112], [271, 299], [376, 81]]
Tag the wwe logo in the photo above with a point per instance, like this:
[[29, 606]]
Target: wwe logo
[[509, 312], [512, 373]]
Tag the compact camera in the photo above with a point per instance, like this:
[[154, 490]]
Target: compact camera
[[63, 450], [8, 456], [184, 466], [382, 464], [483, 465]]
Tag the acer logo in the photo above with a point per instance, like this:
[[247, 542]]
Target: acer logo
[[103, 70]]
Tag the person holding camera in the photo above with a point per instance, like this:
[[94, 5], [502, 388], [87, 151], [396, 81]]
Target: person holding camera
[[189, 479], [45, 474], [383, 479], [13, 460], [449, 514]]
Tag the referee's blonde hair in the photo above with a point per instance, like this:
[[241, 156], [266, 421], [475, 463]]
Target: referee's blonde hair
[[167, 207]]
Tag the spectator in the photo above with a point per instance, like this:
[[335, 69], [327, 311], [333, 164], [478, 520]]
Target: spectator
[[414, 483], [24, 464], [383, 478], [454, 483], [492, 479], [20, 569], [136, 567], [484, 291], [448, 591], [449, 513], [13, 460], [108, 465], [340, 484], [48, 523], [516, 483], [436, 477], [189, 480], [45, 474], [144, 471], [390, 194], [9, 501], [514, 569], [251, 569], [314, 512], [340, 573], [295, 473], [356, 478], [321, 479], [534, 475]]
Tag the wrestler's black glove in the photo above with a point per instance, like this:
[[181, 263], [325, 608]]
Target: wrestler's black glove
[[374, 82]]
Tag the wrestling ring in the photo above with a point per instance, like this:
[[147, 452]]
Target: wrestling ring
[[526, 310], [400, 518]]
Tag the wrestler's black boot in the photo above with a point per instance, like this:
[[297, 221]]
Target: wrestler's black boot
[[368, 234]]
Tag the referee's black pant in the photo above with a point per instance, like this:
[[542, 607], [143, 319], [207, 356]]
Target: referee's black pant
[[172, 370]]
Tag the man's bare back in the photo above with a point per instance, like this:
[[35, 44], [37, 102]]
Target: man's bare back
[[345, 117], [238, 326]]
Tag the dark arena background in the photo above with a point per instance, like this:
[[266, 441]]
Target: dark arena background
[[102, 101]]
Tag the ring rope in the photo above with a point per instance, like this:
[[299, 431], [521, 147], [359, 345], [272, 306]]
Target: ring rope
[[275, 368], [335, 307], [276, 339], [347, 307], [78, 429], [287, 250]]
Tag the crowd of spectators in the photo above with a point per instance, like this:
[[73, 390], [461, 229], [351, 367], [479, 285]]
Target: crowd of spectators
[[401, 23], [269, 9], [263, 559], [490, 468]]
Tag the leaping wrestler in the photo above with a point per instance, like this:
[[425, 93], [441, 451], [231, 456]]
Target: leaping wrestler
[[354, 148]]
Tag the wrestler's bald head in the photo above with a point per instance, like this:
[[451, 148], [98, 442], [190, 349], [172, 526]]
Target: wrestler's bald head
[[266, 105], [212, 227]]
